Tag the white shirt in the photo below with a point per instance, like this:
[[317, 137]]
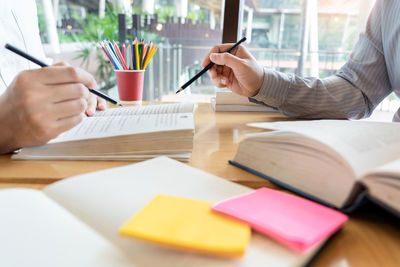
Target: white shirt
[[18, 27]]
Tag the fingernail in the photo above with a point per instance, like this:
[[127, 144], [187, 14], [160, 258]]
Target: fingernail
[[213, 57], [90, 112]]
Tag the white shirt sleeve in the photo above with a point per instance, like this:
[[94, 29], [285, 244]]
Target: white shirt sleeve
[[18, 27]]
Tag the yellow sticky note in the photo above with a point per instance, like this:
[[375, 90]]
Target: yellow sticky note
[[189, 225]]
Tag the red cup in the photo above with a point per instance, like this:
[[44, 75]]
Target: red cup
[[130, 86]]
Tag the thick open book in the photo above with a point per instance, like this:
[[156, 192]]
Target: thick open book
[[75, 222], [337, 162], [131, 133], [228, 101]]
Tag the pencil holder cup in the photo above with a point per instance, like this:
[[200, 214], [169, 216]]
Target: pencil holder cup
[[130, 86]]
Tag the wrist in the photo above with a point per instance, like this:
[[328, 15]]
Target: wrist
[[9, 130], [259, 80]]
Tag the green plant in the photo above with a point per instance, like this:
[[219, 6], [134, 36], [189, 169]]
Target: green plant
[[164, 12], [95, 29]]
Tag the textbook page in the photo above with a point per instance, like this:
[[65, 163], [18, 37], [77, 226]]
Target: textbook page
[[36, 231], [365, 145], [99, 127], [148, 109], [107, 199], [384, 184]]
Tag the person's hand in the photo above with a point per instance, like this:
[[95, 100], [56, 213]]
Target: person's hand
[[94, 102], [238, 70], [42, 103]]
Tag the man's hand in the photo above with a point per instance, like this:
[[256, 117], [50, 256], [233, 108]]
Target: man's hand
[[42, 103], [238, 70]]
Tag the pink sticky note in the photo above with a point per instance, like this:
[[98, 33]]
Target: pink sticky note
[[293, 221]]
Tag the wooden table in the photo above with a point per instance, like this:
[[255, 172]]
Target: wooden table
[[370, 238]]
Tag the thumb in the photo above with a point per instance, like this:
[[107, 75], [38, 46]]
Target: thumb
[[225, 59]]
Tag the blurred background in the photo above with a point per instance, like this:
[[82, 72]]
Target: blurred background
[[306, 37]]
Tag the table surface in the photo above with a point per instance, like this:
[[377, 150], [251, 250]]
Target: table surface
[[371, 237]]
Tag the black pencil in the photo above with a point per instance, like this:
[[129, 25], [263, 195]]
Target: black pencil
[[209, 66], [43, 65]]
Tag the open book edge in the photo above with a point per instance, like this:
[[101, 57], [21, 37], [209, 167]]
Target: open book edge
[[165, 129], [229, 101], [352, 188]]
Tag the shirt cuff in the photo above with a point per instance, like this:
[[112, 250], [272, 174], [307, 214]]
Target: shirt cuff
[[275, 88]]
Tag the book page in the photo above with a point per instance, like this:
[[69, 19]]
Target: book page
[[98, 127], [363, 144], [36, 231], [149, 109], [383, 184], [107, 199]]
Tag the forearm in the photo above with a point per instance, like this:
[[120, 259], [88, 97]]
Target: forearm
[[332, 97]]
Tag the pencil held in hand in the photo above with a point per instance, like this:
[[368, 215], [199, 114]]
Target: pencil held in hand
[[209, 66], [43, 65]]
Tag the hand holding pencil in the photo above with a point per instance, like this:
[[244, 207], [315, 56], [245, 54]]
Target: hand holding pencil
[[209, 65], [39, 104], [239, 70]]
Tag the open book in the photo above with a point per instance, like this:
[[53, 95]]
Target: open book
[[75, 222], [131, 133], [228, 101], [335, 161]]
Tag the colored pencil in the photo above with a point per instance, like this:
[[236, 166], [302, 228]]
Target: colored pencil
[[120, 55], [136, 55]]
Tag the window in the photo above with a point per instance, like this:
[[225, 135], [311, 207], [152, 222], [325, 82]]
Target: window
[[275, 30], [187, 29]]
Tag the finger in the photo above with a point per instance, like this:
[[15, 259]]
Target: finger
[[61, 64], [215, 49], [101, 104], [61, 75], [65, 92], [219, 69], [91, 105], [220, 81], [70, 108], [226, 71], [65, 124], [226, 59], [213, 72]]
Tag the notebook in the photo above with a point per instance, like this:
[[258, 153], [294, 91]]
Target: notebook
[[76, 221]]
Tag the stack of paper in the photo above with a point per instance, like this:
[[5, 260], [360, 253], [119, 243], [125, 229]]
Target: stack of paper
[[228, 101]]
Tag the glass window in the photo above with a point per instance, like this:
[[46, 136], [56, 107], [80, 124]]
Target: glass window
[[184, 29]]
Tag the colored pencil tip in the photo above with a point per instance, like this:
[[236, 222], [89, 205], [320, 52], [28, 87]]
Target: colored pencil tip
[[180, 89]]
